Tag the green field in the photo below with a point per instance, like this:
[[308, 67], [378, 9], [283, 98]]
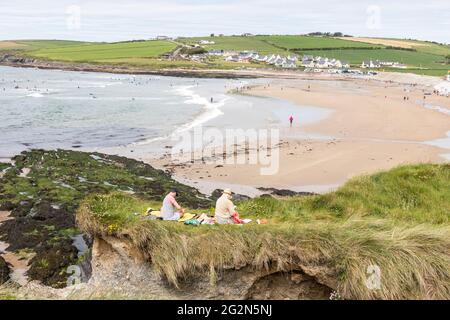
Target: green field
[[432, 48], [49, 44], [99, 52], [308, 42], [421, 57], [417, 60], [237, 43]]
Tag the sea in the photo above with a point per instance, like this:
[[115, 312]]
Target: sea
[[51, 109]]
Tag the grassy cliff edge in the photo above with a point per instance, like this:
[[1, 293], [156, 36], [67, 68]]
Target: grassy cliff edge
[[395, 221]]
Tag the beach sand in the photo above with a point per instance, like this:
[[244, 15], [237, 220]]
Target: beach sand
[[371, 128]]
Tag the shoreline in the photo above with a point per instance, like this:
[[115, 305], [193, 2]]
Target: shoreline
[[8, 60], [386, 133]]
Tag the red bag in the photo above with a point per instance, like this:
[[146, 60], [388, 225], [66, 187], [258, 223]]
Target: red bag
[[236, 219]]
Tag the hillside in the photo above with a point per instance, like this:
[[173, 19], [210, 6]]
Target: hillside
[[419, 56], [397, 221]]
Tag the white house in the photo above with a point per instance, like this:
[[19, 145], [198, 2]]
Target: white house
[[271, 59], [215, 52], [234, 58], [308, 62], [322, 63], [289, 64], [371, 64], [163, 38], [206, 42], [399, 65]]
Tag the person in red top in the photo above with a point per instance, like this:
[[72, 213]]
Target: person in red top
[[291, 119]]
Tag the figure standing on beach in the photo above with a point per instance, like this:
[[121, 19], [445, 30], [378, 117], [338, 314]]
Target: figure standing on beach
[[212, 100], [291, 120]]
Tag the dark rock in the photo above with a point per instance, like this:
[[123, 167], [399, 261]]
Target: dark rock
[[7, 206], [4, 271], [45, 223], [51, 265], [285, 192]]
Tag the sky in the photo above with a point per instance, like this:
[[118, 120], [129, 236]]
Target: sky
[[118, 20]]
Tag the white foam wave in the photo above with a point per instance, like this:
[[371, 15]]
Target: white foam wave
[[438, 108], [210, 111], [35, 95]]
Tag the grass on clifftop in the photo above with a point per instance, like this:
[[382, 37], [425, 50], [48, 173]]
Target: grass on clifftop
[[397, 220]]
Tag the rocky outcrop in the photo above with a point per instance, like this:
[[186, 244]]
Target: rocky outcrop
[[16, 60], [284, 192], [121, 269]]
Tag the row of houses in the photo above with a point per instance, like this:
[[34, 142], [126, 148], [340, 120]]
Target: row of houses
[[339, 71], [375, 64], [323, 63], [289, 62], [206, 42]]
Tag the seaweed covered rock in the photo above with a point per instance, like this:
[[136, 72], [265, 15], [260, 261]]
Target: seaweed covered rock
[[4, 271], [43, 189], [284, 192]]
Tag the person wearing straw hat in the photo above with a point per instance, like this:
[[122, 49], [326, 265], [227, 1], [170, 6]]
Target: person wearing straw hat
[[225, 208]]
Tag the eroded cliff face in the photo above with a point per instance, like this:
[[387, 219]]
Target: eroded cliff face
[[119, 268]]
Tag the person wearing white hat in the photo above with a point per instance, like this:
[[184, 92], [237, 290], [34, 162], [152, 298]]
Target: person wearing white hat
[[225, 208]]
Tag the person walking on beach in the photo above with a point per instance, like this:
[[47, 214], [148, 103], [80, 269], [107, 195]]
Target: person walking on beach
[[291, 120], [170, 209]]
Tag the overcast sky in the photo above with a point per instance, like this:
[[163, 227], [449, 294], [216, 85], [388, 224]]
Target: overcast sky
[[114, 20]]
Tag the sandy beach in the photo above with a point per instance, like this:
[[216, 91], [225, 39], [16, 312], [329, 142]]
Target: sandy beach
[[374, 125]]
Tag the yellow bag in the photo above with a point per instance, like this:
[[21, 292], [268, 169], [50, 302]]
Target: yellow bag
[[156, 214], [186, 217]]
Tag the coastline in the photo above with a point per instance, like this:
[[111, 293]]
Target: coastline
[[383, 132], [371, 129], [9, 60]]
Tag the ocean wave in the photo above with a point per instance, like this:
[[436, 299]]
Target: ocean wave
[[108, 98], [35, 95], [210, 111], [438, 108], [94, 84]]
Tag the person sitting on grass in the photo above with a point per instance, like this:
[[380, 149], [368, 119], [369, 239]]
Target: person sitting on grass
[[170, 209], [225, 209]]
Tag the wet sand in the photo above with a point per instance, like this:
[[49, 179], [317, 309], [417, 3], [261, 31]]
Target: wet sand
[[372, 128]]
